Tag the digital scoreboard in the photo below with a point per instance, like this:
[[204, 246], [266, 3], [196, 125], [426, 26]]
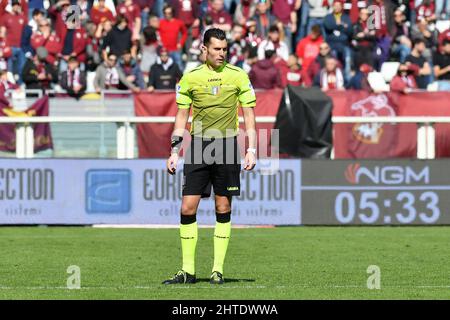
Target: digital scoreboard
[[375, 192]]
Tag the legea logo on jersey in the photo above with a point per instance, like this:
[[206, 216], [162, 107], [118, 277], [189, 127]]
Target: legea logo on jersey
[[108, 191]]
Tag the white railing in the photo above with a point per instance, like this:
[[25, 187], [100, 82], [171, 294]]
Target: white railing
[[125, 133]]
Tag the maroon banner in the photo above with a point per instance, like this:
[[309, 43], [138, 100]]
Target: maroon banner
[[154, 138], [387, 140], [42, 132]]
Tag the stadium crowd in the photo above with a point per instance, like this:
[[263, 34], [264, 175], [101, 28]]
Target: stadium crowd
[[147, 44]]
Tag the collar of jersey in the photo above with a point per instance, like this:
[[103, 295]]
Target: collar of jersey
[[205, 65]]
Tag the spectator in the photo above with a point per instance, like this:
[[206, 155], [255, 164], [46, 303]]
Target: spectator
[[73, 80], [57, 12], [149, 46], [220, 17], [100, 13], [34, 5], [273, 43], [118, 40], [264, 74], [330, 77], [108, 76], [93, 58], [30, 28], [308, 48], [318, 9], [364, 41], [384, 27], [131, 11], [427, 32], [188, 11], [416, 58], [319, 63], [286, 12], [45, 37], [252, 39], [338, 30], [164, 74], [74, 45], [404, 81], [264, 19], [442, 66], [360, 80], [131, 70], [401, 45], [38, 73], [245, 10], [12, 26], [5, 54], [145, 7], [173, 34], [238, 46], [294, 74]]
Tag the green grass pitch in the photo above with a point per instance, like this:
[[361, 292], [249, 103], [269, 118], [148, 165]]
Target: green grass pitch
[[262, 263]]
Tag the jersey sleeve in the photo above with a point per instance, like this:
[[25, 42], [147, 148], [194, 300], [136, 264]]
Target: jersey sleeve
[[247, 96], [184, 96]]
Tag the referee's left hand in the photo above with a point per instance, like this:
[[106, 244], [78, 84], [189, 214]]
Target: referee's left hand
[[250, 161]]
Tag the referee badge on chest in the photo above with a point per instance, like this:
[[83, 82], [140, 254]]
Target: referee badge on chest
[[215, 90]]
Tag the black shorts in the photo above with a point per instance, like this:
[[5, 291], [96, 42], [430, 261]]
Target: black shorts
[[212, 162]]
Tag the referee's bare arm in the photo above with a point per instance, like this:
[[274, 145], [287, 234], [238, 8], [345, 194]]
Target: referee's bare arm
[[181, 120], [250, 128]]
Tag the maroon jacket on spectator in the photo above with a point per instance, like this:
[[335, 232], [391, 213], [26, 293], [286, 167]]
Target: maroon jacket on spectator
[[221, 17], [53, 44], [295, 78], [264, 75], [400, 83], [131, 12], [282, 10], [186, 10], [97, 16], [15, 24], [80, 41], [58, 22]]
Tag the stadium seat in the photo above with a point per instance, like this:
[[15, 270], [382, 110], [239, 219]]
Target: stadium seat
[[389, 70]]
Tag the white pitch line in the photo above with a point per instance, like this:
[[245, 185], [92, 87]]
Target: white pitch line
[[221, 287]]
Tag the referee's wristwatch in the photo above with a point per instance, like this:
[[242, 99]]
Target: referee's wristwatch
[[252, 150]]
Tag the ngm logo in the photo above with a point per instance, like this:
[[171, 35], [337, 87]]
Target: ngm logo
[[390, 175], [108, 191]]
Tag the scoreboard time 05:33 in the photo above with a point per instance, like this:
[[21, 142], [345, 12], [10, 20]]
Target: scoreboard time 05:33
[[375, 192]]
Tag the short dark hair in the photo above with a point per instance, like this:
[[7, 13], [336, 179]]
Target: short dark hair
[[37, 12], [121, 18], [418, 41], [268, 54], [274, 28], [445, 42], [213, 33], [167, 6], [316, 29]]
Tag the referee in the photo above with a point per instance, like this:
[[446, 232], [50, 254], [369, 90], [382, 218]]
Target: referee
[[214, 90]]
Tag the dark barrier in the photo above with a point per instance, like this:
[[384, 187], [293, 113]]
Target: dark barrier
[[304, 121]]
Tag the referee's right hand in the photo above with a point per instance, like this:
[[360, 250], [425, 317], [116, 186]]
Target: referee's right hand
[[172, 163]]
